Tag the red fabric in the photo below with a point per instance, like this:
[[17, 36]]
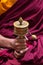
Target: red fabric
[[32, 11]]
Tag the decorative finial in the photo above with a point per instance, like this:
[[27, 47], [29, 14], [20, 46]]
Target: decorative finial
[[20, 20]]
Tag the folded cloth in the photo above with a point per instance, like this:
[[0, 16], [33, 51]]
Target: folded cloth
[[32, 11], [5, 5]]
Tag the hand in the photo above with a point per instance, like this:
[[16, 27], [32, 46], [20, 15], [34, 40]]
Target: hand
[[20, 53]]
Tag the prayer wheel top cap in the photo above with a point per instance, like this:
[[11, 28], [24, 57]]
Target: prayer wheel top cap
[[21, 23]]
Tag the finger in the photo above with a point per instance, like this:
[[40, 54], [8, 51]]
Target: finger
[[22, 51]]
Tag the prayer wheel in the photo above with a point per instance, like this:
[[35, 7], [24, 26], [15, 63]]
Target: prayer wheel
[[20, 29]]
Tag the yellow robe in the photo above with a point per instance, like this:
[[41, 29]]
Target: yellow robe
[[5, 5]]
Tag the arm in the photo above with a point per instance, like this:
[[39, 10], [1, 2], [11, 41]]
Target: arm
[[6, 42]]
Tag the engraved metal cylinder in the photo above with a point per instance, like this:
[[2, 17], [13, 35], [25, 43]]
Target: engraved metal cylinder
[[20, 29]]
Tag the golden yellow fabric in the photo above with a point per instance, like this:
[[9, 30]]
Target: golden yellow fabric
[[5, 5]]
